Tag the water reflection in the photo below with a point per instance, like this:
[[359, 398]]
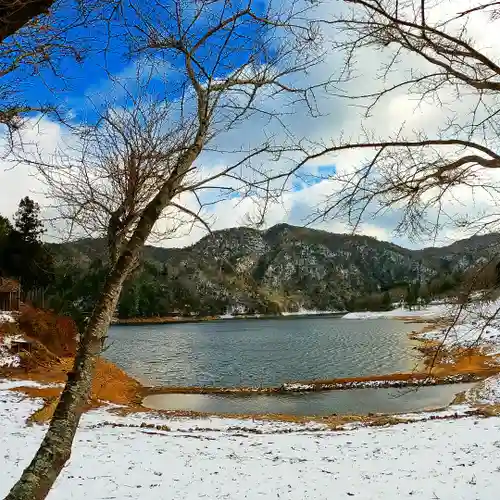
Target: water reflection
[[359, 401]]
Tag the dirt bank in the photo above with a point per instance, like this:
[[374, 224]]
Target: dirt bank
[[110, 382]]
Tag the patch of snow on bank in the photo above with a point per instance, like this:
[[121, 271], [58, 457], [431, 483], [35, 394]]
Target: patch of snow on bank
[[6, 358], [433, 311], [457, 459], [6, 317], [486, 392], [476, 326], [465, 335]]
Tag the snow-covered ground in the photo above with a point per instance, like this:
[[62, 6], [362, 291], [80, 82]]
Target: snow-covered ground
[[476, 325], [487, 392], [431, 311], [229, 459], [6, 358], [309, 312]]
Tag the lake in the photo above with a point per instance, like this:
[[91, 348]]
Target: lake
[[268, 352]]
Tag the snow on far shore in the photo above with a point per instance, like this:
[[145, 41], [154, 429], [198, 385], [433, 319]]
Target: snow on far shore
[[213, 458], [300, 312], [308, 312], [432, 311]]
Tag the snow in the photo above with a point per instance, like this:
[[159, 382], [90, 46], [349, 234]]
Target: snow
[[432, 311], [465, 335], [309, 312], [6, 317], [373, 384], [486, 392], [475, 326], [6, 358], [115, 458]]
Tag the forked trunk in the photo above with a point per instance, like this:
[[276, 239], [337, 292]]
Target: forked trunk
[[55, 450]]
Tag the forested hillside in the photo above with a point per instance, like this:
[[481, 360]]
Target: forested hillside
[[284, 268]]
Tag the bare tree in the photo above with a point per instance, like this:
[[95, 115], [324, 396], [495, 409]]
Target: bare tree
[[37, 38], [136, 168], [444, 173], [433, 58]]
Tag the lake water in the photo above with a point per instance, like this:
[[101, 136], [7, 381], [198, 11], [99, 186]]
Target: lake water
[[269, 352], [232, 353]]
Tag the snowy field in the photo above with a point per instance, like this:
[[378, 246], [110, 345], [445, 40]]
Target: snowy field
[[227, 459]]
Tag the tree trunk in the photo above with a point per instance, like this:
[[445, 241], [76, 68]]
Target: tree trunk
[[55, 450], [14, 14]]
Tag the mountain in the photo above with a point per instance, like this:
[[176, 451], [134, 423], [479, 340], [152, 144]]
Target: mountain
[[284, 268]]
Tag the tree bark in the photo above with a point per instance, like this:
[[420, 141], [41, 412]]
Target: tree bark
[[14, 14], [55, 450]]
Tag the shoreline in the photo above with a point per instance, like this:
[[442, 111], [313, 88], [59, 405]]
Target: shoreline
[[165, 320], [131, 399]]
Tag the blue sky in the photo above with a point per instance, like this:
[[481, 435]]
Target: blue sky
[[105, 50]]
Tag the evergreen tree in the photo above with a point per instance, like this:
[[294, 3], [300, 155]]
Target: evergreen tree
[[25, 256], [27, 221], [5, 228]]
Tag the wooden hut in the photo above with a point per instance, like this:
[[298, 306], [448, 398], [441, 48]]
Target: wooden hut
[[10, 294]]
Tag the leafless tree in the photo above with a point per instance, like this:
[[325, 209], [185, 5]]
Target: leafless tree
[[414, 170], [133, 170], [442, 174], [36, 39]]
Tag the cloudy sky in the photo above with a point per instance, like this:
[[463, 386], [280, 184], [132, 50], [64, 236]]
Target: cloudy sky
[[338, 118]]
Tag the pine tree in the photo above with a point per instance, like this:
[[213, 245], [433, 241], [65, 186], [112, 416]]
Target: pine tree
[[27, 221], [25, 255], [5, 227]]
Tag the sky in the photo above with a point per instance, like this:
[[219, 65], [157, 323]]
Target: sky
[[87, 86]]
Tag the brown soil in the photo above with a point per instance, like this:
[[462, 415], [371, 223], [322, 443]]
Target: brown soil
[[162, 320], [110, 382]]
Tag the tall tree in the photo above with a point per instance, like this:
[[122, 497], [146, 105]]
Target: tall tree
[[138, 169], [5, 231], [27, 221], [25, 256], [5, 227]]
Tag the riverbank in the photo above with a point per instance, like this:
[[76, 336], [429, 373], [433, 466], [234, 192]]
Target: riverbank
[[120, 450]]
